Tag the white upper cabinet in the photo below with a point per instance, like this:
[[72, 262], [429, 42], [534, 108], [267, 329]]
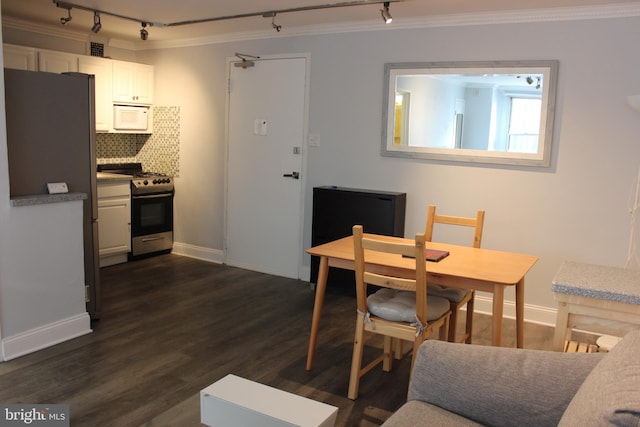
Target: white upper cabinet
[[102, 70], [116, 82], [57, 62], [19, 57], [132, 83]]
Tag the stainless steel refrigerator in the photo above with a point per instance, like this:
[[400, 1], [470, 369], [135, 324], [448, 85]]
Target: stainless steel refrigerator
[[51, 138]]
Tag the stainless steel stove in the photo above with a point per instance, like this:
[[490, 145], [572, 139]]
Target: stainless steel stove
[[142, 182], [151, 209]]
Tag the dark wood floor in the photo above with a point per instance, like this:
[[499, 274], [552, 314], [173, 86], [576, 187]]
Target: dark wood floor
[[172, 325]]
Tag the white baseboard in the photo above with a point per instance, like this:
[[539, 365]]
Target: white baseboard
[[45, 336], [198, 252], [305, 273], [532, 313]]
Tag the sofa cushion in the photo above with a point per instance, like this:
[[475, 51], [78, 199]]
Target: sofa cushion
[[416, 413], [610, 395], [499, 386]]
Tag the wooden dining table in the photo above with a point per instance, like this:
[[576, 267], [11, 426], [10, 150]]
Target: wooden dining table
[[465, 267]]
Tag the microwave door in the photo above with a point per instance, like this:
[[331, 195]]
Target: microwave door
[[130, 118]]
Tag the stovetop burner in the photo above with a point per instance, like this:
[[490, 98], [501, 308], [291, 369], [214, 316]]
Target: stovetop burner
[[142, 182]]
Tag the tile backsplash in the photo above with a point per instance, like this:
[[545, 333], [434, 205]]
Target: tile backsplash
[[158, 152]]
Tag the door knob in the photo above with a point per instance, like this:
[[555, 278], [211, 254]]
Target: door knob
[[294, 175]]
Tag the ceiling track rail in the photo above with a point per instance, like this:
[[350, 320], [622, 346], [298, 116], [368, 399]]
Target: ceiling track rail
[[266, 13]]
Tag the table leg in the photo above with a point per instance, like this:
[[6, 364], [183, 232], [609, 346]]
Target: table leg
[[520, 313], [321, 287], [498, 309], [562, 332]]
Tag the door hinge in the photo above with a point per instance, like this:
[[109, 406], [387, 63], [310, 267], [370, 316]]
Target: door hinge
[[86, 294]]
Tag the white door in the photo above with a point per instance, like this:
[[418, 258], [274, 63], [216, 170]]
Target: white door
[[266, 130]]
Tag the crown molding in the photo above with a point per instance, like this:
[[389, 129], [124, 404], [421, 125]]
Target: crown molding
[[612, 11]]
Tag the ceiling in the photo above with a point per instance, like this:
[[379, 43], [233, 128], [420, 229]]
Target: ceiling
[[44, 13]]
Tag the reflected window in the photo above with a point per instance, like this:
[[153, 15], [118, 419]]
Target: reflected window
[[524, 125]]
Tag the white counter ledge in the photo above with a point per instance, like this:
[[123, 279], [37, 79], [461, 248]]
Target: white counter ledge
[[106, 176], [43, 199], [597, 281]]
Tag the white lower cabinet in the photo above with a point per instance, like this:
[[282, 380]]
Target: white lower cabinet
[[114, 221]]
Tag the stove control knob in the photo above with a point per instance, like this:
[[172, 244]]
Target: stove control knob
[[145, 182]]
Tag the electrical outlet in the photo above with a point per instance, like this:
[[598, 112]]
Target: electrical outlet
[[57, 187]]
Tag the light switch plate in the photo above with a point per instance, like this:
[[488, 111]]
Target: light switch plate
[[57, 187], [314, 140]]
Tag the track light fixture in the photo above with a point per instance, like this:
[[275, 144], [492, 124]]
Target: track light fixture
[[272, 15], [67, 18], [97, 25], [144, 34], [386, 15], [530, 80]]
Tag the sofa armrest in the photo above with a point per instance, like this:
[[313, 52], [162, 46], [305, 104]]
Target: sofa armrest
[[499, 386]]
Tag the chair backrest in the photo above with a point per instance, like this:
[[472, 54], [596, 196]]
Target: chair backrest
[[365, 244], [477, 223]]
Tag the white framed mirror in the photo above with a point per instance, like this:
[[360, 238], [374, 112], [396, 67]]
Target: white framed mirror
[[497, 112]]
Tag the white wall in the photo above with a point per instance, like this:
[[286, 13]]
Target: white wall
[[575, 210]]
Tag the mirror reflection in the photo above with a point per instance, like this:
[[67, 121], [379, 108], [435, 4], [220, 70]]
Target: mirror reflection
[[498, 112]]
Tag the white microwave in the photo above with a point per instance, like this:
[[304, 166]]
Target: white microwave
[[130, 117]]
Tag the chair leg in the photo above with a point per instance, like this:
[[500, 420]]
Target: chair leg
[[387, 361], [469, 324], [445, 329], [356, 359], [453, 323], [398, 348], [416, 345]]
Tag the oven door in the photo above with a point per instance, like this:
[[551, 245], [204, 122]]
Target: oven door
[[151, 214], [151, 224]]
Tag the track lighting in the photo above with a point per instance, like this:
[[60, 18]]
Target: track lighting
[[68, 18], [144, 34], [386, 15], [272, 15], [274, 25], [97, 25]]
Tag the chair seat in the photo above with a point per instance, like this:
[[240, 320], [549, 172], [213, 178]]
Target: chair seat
[[451, 294], [400, 306]]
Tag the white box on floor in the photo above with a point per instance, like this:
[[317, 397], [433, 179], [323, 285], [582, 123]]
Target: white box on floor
[[235, 401]]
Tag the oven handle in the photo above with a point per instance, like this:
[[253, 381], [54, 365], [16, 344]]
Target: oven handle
[[153, 196]]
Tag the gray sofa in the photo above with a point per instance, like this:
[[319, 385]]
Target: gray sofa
[[471, 385]]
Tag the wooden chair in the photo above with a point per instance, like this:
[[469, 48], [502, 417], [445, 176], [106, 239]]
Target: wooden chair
[[457, 297], [378, 313]]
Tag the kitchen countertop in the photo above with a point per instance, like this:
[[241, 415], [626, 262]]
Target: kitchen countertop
[[43, 199], [106, 176], [597, 281]]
